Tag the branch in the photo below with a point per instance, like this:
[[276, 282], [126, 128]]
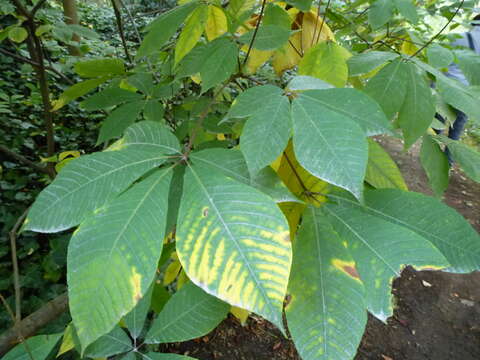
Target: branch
[[440, 32], [25, 161], [34, 322], [118, 17]]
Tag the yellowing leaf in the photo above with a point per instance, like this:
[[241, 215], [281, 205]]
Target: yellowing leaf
[[182, 279], [65, 154], [408, 47], [256, 59], [298, 180], [67, 341], [192, 32], [216, 23], [171, 272], [326, 61], [240, 314]]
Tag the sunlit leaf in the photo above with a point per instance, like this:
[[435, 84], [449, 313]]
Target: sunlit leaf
[[216, 23], [192, 32]]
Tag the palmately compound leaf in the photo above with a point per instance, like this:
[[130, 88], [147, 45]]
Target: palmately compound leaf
[[389, 87], [328, 143], [380, 13], [86, 184], [113, 256], [164, 27], [268, 37], [418, 109], [380, 249], [189, 314], [233, 242], [327, 312], [40, 345], [135, 319], [113, 343], [100, 67], [108, 98], [267, 131], [382, 171], [192, 31]]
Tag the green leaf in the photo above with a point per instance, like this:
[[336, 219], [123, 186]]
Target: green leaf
[[108, 98], [364, 63], [467, 157], [119, 119], [469, 62], [83, 31], [100, 67], [135, 319], [159, 356], [340, 151], [113, 343], [192, 32], [433, 220], [17, 34], [453, 92], [269, 37], [382, 172], [40, 346], [121, 241], [380, 13], [439, 56], [303, 5], [153, 110], [389, 87], [77, 90], [233, 242], [435, 163], [418, 109], [189, 314], [151, 136], [326, 61], [85, 185], [407, 9], [327, 312], [381, 249], [267, 131], [232, 164], [276, 15], [142, 81], [304, 82], [164, 27]]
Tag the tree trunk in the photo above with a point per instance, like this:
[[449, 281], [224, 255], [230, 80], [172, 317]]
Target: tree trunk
[[71, 17]]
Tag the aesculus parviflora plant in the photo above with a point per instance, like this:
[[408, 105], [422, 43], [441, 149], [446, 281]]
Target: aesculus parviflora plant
[[254, 186]]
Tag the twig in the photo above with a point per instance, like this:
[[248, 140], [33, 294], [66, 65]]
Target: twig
[[25, 161], [34, 322], [118, 17], [440, 32], [323, 20], [16, 275], [33, 63], [257, 25]]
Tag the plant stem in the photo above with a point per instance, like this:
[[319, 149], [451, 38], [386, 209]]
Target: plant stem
[[118, 17]]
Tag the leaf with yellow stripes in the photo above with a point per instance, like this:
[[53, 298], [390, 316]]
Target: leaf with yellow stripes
[[216, 23], [327, 312], [192, 32], [382, 172], [233, 241]]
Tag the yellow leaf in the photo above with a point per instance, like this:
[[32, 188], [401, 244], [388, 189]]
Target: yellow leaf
[[256, 59], [67, 341], [171, 272], [408, 47], [293, 212], [240, 314], [216, 23], [311, 33], [221, 137], [196, 78], [182, 279], [192, 32], [65, 154], [300, 182], [62, 163]]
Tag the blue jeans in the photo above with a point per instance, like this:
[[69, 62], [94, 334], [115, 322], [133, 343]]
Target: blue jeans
[[455, 131]]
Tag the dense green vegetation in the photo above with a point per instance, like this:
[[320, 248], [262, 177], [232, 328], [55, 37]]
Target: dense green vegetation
[[174, 162]]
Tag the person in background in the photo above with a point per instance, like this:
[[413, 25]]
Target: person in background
[[470, 40]]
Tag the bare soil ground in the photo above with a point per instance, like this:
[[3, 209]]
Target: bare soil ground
[[437, 316]]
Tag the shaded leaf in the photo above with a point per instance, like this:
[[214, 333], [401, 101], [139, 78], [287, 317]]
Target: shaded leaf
[[466, 156], [381, 11], [435, 163], [439, 56], [40, 346], [366, 62], [268, 37], [108, 98], [99, 68], [189, 314], [75, 91]]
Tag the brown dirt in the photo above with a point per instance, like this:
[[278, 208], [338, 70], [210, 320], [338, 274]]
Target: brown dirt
[[437, 316]]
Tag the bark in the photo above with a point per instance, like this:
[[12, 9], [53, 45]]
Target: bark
[[71, 17]]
